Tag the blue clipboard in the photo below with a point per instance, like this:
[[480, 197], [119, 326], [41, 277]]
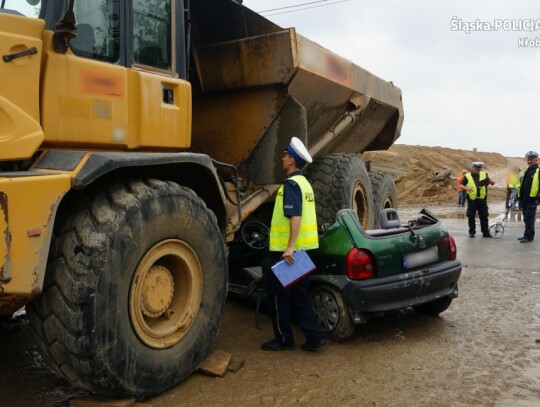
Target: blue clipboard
[[289, 274]]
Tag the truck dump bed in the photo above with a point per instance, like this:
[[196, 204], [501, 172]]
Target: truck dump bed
[[256, 85]]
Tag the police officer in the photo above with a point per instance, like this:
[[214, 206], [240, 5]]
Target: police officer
[[476, 183], [529, 196], [293, 227]]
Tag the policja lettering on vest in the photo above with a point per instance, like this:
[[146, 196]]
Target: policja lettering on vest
[[293, 227], [476, 184]]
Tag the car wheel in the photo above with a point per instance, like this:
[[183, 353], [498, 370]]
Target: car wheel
[[341, 181], [332, 312], [434, 307]]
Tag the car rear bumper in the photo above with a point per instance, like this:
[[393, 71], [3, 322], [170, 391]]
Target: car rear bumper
[[404, 290]]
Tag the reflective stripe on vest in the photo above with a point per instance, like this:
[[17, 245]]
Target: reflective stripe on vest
[[280, 228], [470, 181], [534, 186]]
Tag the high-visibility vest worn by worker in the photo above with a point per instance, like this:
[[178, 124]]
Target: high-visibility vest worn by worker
[[512, 180], [280, 227], [470, 182]]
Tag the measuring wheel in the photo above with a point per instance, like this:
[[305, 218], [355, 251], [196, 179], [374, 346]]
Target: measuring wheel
[[496, 230]]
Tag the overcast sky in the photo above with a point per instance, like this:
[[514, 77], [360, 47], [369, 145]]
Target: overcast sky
[[477, 90]]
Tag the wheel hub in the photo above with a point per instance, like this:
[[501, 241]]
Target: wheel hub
[[157, 291], [165, 293], [326, 310]]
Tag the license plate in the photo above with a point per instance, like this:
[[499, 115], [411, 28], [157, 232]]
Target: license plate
[[418, 259]]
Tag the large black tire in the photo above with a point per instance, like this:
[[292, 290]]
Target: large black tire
[[434, 308], [99, 322], [332, 312], [384, 193], [341, 181]]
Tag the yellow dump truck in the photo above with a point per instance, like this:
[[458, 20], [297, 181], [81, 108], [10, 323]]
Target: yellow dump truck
[[135, 138]]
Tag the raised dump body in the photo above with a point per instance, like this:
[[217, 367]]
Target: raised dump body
[[259, 84]]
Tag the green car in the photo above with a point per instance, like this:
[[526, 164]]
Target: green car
[[361, 273], [365, 272]]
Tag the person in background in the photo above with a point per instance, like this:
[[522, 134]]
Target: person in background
[[529, 196], [462, 194], [476, 184], [293, 227], [512, 186]]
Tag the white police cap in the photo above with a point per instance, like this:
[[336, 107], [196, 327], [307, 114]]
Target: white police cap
[[478, 164], [531, 154], [299, 151]]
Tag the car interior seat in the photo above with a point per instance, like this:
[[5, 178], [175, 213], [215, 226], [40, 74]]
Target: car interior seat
[[255, 288], [389, 218]]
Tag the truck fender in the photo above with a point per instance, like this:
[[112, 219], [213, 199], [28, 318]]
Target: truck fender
[[192, 170]]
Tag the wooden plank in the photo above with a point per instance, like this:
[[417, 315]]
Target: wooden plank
[[215, 363]]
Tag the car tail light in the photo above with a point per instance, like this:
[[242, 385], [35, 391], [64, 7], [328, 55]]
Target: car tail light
[[359, 264], [452, 249]]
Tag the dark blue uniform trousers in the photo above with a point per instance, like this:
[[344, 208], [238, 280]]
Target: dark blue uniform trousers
[[529, 215], [282, 302], [480, 206]]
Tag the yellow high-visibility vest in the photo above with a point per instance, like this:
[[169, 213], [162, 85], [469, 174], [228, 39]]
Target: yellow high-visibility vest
[[512, 180], [470, 182], [280, 227], [535, 186]]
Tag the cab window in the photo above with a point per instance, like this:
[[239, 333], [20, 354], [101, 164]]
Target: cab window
[[98, 30], [152, 33]]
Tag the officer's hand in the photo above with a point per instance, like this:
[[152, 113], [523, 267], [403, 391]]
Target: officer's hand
[[288, 255], [537, 202]]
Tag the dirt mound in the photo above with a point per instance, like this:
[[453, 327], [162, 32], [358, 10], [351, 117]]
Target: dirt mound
[[428, 174]]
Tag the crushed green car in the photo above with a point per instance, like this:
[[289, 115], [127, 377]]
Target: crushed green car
[[361, 273]]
